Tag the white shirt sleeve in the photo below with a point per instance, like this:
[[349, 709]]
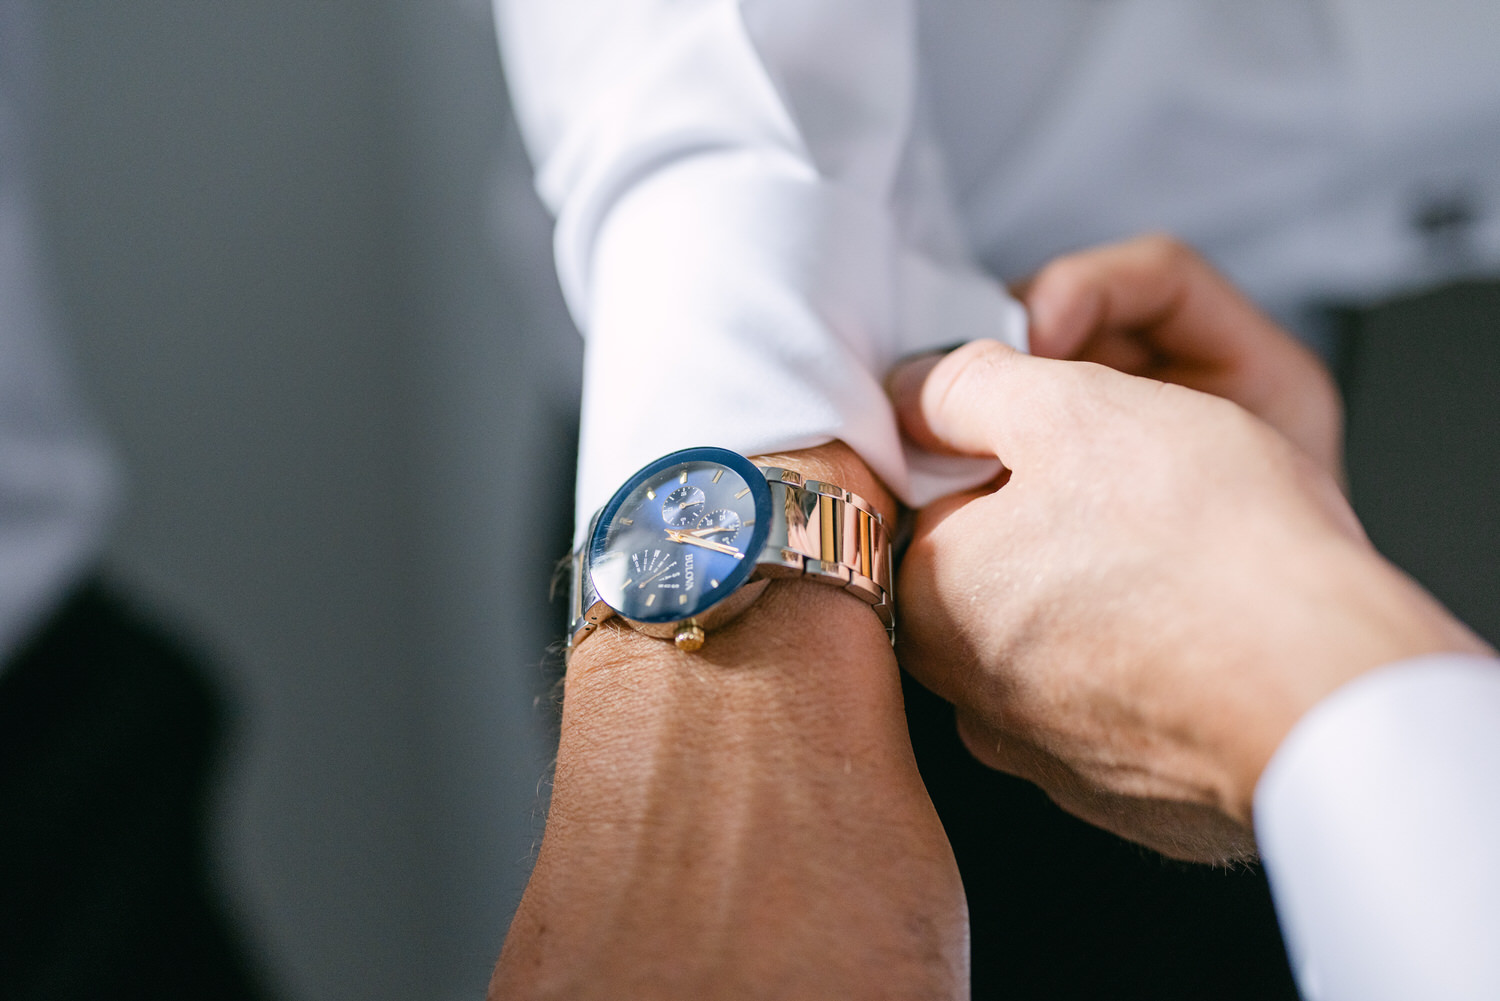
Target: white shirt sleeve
[[1379, 824], [750, 224]]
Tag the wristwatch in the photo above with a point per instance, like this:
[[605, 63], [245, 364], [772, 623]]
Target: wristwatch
[[693, 538]]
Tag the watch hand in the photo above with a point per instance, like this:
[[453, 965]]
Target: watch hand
[[699, 533], [677, 535], [657, 574], [717, 547]]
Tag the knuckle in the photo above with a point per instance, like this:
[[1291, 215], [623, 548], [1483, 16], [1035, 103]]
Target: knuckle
[[974, 368], [1167, 251], [984, 352]]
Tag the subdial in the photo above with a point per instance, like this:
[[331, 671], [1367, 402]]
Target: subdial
[[682, 506], [721, 524], [654, 566]]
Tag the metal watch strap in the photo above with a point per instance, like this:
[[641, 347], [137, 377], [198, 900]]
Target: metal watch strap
[[585, 610], [821, 531], [828, 534]]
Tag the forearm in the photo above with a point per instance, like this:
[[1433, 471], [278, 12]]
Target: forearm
[[746, 820]]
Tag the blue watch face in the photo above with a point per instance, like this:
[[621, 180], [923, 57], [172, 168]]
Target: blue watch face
[[681, 535]]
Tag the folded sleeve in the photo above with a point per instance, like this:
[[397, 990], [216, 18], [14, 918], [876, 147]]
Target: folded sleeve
[[1379, 824], [750, 224]]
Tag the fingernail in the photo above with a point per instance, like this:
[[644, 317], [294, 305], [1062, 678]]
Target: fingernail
[[1059, 317], [1043, 310]]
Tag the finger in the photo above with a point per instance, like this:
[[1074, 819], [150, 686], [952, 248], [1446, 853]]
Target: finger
[[1154, 289], [985, 743], [1007, 752], [1063, 318], [1153, 307], [1123, 354], [983, 399]]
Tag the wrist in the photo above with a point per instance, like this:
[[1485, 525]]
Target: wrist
[[718, 815], [805, 664], [717, 818], [685, 566], [837, 463], [804, 637], [1372, 615]]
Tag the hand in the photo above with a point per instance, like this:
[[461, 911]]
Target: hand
[[1152, 307], [1136, 618]]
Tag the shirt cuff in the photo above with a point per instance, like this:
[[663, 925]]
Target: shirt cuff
[[738, 300], [1378, 820]]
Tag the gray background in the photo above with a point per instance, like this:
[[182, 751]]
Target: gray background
[[310, 294]]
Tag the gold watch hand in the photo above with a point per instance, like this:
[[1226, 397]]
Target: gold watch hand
[[678, 535], [657, 574]]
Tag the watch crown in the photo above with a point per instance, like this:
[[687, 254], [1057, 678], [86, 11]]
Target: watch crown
[[689, 637]]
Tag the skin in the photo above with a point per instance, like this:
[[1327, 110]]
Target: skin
[[1165, 582], [744, 821], [1153, 307], [1134, 621]]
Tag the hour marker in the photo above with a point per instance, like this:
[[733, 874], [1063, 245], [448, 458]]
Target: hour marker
[[742, 493], [682, 599], [747, 524], [650, 599], [683, 477], [651, 494], [713, 583], [627, 521], [718, 475], [627, 583]]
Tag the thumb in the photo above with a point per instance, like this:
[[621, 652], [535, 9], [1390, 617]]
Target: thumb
[[982, 399]]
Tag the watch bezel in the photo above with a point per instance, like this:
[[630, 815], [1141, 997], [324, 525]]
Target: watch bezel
[[760, 491]]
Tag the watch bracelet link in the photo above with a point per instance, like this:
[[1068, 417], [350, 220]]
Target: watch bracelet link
[[825, 533], [830, 535]]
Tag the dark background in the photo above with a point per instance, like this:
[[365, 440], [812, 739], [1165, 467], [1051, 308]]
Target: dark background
[[1421, 380]]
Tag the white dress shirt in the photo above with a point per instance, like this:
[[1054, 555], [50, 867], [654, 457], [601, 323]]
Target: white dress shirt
[[751, 223], [762, 204]]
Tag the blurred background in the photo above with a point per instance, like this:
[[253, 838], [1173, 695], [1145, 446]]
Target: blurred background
[[310, 294]]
